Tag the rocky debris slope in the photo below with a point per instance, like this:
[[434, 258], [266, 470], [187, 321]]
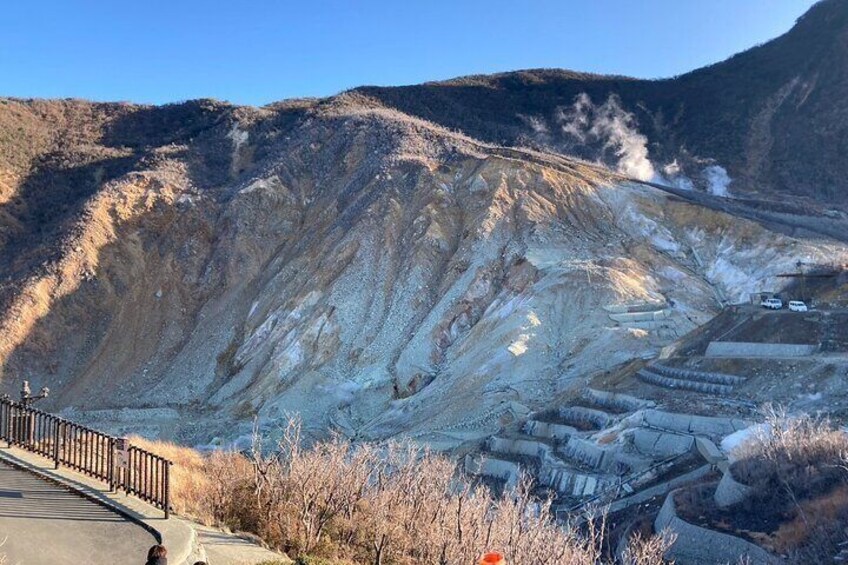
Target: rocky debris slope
[[373, 272]]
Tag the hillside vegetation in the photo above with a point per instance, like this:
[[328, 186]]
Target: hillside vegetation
[[796, 473], [393, 503]]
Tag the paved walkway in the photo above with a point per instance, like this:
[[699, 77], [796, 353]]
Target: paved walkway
[[226, 549], [186, 541], [47, 524]]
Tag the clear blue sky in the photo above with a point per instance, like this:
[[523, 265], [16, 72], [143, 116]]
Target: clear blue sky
[[258, 51]]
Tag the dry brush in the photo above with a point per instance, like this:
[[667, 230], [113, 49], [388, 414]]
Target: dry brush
[[393, 503]]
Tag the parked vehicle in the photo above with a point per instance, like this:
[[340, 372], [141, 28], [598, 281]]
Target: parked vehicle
[[797, 306], [772, 303]]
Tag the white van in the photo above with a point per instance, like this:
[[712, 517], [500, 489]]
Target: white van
[[797, 306], [772, 303]]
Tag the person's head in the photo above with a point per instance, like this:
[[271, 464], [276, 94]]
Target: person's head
[[157, 551], [200, 563]]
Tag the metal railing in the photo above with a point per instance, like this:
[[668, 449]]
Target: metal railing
[[98, 455]]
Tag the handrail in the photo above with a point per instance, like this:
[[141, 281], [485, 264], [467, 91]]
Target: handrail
[[109, 459]]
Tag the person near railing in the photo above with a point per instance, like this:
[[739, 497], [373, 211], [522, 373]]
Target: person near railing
[[157, 555]]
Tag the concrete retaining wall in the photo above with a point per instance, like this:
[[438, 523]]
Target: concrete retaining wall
[[635, 307], [667, 382], [527, 447], [745, 349], [508, 471], [584, 452], [583, 415], [659, 444], [691, 375], [611, 459], [549, 430], [730, 492], [650, 316], [614, 401], [696, 545], [647, 326], [573, 483], [688, 423]]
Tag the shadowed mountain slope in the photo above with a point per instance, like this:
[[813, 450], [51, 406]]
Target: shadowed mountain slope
[[775, 117]]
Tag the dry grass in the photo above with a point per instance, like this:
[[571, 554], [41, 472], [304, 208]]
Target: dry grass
[[797, 467], [394, 503], [802, 454], [189, 479]]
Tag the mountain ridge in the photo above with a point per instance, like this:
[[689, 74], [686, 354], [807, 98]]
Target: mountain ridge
[[179, 270], [726, 113]]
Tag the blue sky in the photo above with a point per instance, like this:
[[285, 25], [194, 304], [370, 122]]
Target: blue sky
[[258, 51]]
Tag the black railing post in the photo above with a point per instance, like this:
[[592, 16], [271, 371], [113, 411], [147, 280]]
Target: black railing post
[[111, 463], [11, 420], [9, 424], [167, 502], [57, 435], [16, 425], [31, 422]]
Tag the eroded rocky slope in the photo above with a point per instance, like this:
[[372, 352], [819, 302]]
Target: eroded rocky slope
[[180, 270]]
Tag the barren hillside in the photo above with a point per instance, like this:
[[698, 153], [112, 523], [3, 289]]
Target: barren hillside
[[178, 270]]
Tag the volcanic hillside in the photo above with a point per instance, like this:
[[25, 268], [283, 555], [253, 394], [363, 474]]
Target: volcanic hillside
[[200, 263], [178, 270]]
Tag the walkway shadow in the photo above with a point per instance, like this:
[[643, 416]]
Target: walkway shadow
[[25, 496]]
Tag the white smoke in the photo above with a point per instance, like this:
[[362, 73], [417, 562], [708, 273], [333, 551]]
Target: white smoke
[[672, 169], [672, 174], [717, 179], [539, 128], [683, 182], [616, 128]]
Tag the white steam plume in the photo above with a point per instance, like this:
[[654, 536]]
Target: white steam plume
[[613, 126], [537, 125], [672, 174], [717, 180]]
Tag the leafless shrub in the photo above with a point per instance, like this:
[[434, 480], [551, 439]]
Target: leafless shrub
[[797, 468], [801, 455], [396, 503], [643, 550]]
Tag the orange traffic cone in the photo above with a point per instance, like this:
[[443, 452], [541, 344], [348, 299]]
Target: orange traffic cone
[[493, 558]]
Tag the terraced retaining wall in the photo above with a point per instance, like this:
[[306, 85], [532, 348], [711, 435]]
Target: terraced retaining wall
[[746, 349], [729, 491], [508, 471], [696, 545], [688, 423], [616, 401]]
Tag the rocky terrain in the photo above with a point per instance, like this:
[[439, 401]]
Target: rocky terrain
[[369, 270], [179, 270]]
